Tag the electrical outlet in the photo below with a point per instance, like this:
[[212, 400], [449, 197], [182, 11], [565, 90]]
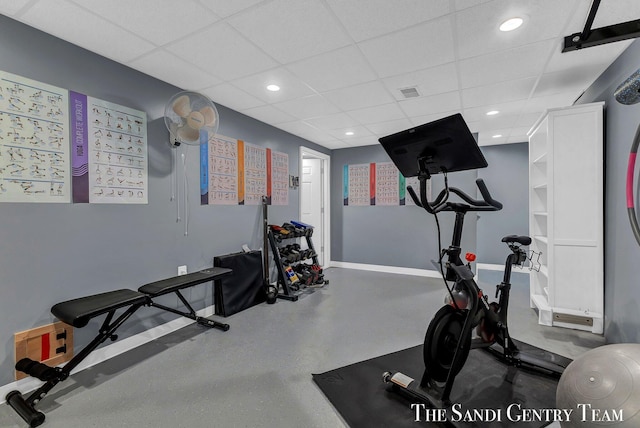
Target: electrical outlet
[[182, 270]]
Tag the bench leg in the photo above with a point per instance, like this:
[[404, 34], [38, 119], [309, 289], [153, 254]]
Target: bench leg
[[26, 407], [192, 314]]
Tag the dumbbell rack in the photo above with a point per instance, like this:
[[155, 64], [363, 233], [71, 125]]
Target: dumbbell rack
[[289, 285]]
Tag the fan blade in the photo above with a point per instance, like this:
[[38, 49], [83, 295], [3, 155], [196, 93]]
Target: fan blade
[[181, 106], [188, 134], [209, 115]]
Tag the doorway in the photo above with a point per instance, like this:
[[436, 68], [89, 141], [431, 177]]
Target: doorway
[[314, 200]]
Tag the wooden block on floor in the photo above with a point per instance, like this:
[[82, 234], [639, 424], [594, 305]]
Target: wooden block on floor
[[51, 344]]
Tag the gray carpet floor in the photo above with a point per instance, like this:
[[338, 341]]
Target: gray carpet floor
[[258, 374]]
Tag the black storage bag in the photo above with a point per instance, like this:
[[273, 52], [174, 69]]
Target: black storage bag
[[241, 289]]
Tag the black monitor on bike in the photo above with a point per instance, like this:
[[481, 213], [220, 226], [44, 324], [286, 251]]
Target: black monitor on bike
[[444, 145]]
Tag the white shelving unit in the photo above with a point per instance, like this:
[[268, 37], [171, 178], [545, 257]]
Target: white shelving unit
[[566, 206]]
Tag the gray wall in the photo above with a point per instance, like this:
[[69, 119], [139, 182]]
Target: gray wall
[[403, 236], [622, 286], [54, 252], [507, 178]]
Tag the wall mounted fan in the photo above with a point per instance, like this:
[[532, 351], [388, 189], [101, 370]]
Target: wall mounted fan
[[187, 115]]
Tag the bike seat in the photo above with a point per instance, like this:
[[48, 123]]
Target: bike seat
[[522, 240]]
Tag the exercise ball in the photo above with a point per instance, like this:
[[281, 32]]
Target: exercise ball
[[602, 388]]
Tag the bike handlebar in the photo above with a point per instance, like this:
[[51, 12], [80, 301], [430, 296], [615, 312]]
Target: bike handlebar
[[441, 202]]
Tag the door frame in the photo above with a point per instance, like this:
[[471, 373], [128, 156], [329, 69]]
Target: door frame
[[326, 203]]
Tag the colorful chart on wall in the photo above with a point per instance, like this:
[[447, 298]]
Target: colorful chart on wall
[[110, 158], [278, 178], [387, 184], [219, 166], [34, 141], [357, 184], [255, 173]]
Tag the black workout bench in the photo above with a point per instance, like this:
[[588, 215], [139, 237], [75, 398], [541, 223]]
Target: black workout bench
[[78, 313]]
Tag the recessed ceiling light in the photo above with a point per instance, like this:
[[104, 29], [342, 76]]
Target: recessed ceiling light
[[273, 88], [492, 112], [497, 136], [349, 133], [511, 24]]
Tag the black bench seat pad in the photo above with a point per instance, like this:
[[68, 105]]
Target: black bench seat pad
[[177, 283], [78, 312]]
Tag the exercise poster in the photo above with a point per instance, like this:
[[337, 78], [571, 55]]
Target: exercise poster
[[219, 165], [278, 178], [34, 141], [378, 184], [110, 161]]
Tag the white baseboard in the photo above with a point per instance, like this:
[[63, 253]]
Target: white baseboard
[[387, 269], [106, 352]]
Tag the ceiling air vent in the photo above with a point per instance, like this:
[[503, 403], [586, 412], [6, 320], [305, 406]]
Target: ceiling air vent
[[411, 92]]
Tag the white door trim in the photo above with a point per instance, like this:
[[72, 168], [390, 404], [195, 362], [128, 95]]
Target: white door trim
[[326, 186]]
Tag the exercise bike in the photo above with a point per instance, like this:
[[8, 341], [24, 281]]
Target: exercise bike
[[441, 147], [448, 339]]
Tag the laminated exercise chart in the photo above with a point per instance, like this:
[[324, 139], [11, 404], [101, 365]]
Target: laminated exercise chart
[[357, 184], [34, 141], [377, 184], [255, 174], [220, 163], [278, 178], [387, 184]]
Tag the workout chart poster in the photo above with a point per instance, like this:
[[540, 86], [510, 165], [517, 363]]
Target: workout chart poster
[[358, 184], [34, 141], [387, 184], [219, 166], [110, 143], [278, 178], [255, 173]]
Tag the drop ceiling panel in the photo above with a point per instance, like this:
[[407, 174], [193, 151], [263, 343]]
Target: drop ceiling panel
[[290, 86], [74, 24], [290, 30], [613, 12], [480, 112], [365, 19], [421, 120], [169, 68], [540, 104], [268, 114], [381, 113], [478, 32], [11, 7], [158, 21], [431, 105], [219, 50], [360, 96], [308, 107], [498, 93], [430, 81], [358, 133], [576, 60], [381, 129], [333, 121], [358, 142], [225, 8], [232, 97], [304, 130], [333, 70], [576, 81], [525, 61], [422, 46], [465, 4]]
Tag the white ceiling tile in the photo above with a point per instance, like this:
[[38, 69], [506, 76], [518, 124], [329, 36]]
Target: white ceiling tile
[[613, 12], [225, 8], [540, 104], [427, 118], [290, 30], [570, 81], [487, 139], [498, 93], [360, 96], [382, 129], [221, 52], [332, 70], [478, 32], [335, 145], [602, 55], [268, 114], [465, 4], [365, 19], [513, 108], [290, 86], [525, 61], [333, 121], [431, 105], [381, 113], [304, 130], [232, 97], [488, 123], [359, 132], [158, 21], [307, 107], [416, 48], [74, 24], [526, 120], [12, 7], [358, 142], [430, 81], [169, 68]]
